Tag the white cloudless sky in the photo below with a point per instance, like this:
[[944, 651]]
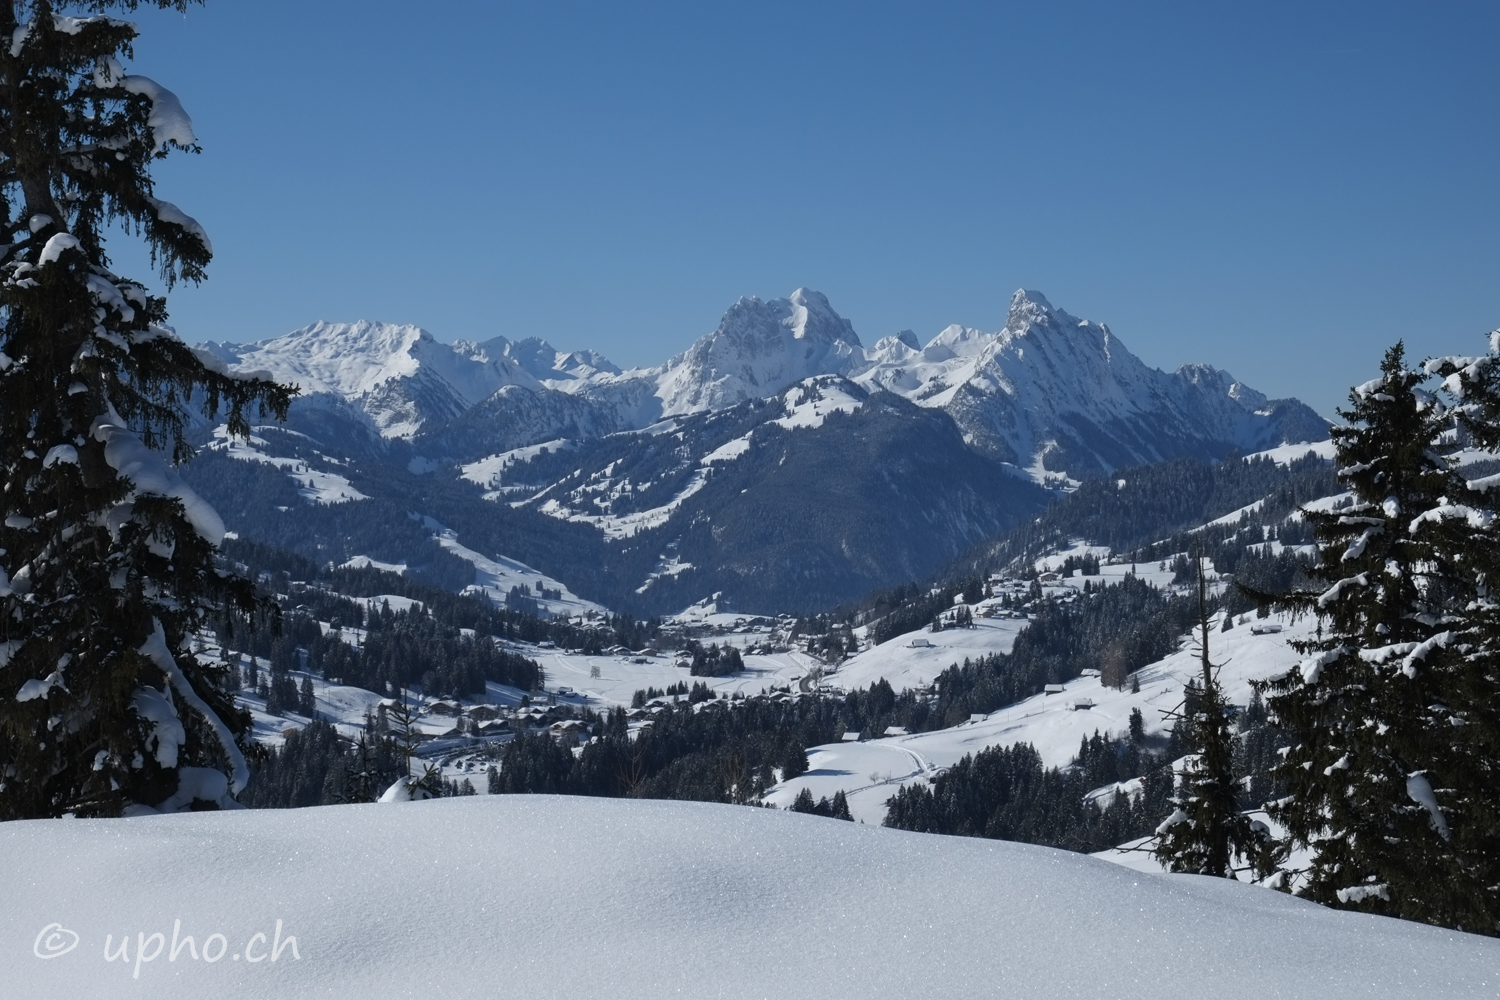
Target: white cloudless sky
[[1279, 189]]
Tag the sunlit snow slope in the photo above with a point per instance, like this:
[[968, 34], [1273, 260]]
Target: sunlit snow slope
[[554, 897]]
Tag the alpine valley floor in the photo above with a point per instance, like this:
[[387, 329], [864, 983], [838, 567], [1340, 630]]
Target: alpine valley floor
[[548, 896]]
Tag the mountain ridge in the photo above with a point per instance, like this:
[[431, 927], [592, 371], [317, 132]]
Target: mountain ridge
[[1048, 392], [778, 460]]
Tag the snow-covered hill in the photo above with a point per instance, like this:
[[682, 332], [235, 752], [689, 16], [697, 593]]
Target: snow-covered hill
[[554, 897], [869, 772]]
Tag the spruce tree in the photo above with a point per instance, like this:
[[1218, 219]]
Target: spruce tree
[[1372, 713], [106, 556], [1206, 830], [1470, 684]]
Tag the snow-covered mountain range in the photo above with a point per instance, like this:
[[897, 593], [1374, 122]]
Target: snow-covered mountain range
[[777, 460], [1048, 393]]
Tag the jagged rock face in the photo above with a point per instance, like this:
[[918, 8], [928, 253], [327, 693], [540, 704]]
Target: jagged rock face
[[1054, 393], [400, 377], [516, 416], [759, 349]]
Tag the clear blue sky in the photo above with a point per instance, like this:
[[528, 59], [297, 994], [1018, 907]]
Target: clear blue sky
[[1278, 189]]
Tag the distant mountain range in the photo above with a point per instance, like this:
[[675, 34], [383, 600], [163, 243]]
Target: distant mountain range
[[777, 460]]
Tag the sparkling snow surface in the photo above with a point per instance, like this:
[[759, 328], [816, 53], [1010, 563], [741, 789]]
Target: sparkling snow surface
[[552, 897]]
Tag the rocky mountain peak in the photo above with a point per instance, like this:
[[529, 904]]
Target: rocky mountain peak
[[811, 317], [1216, 381], [1027, 307]]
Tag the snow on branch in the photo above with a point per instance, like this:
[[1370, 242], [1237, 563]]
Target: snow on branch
[[1312, 668], [1178, 816], [166, 728], [1383, 654], [168, 212], [106, 293], [1454, 511], [1335, 592], [1357, 547], [1439, 641], [149, 472], [155, 649], [1360, 893], [1419, 790], [39, 688], [169, 121], [55, 246]]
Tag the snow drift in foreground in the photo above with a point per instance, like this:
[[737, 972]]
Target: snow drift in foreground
[[547, 896]]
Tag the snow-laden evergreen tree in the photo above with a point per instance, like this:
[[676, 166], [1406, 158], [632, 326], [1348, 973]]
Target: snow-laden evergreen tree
[[1206, 831], [106, 556], [1377, 733], [1471, 682]]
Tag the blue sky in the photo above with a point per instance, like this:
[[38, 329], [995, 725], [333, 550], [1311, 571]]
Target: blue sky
[[1279, 189]]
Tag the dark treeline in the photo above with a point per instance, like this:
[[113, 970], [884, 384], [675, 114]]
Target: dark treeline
[[704, 748], [424, 645], [327, 589], [835, 808], [906, 609], [1252, 564], [316, 766], [1115, 630], [719, 751], [715, 660], [399, 648], [1004, 793]]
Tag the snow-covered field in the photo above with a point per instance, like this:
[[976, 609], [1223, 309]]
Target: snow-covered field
[[621, 676], [1286, 454], [494, 578], [554, 897], [906, 666], [869, 772]]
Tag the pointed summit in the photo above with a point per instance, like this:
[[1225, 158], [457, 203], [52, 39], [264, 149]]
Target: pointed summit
[[1026, 306], [812, 318], [759, 349]]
